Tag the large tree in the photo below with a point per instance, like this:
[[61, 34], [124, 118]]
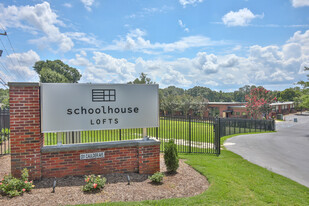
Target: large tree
[[56, 72], [290, 94], [258, 102]]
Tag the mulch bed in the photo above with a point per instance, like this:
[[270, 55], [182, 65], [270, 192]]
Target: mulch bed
[[185, 183]]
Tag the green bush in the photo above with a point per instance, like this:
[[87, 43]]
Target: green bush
[[171, 156], [156, 177], [94, 183], [12, 186]]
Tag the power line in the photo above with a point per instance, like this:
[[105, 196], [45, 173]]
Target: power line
[[8, 56], [5, 67]]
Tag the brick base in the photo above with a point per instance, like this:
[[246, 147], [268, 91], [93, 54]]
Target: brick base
[[57, 161]]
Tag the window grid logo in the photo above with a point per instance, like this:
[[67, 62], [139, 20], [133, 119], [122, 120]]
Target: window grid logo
[[103, 95]]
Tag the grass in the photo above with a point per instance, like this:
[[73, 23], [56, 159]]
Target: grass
[[235, 181], [201, 131]]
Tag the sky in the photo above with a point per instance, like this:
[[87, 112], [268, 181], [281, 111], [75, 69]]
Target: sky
[[219, 44]]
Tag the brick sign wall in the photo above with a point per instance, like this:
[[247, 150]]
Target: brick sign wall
[[27, 148]]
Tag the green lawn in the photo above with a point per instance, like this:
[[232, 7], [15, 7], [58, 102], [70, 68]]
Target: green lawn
[[201, 131], [169, 129], [235, 181]]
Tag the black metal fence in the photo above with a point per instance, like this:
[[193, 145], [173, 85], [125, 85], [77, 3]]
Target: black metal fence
[[229, 126], [4, 131], [191, 135]]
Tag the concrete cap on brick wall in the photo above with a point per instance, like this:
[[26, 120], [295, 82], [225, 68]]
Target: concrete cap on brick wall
[[99, 145], [23, 84]]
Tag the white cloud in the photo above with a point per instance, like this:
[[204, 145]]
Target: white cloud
[[182, 25], [83, 37], [271, 65], [300, 3], [20, 66], [43, 22], [87, 4], [105, 68], [38, 18], [149, 11], [184, 3], [68, 5], [135, 41], [240, 18]]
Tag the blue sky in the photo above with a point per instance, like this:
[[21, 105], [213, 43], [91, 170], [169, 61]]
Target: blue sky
[[220, 44]]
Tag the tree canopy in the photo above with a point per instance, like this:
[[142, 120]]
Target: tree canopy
[[56, 72], [143, 79]]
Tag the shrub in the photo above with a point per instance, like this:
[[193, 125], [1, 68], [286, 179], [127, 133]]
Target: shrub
[[171, 156], [156, 177], [12, 186], [94, 183]]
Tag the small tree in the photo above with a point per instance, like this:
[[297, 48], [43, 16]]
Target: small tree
[[185, 103], [258, 102], [171, 156], [200, 105], [169, 103], [143, 79]]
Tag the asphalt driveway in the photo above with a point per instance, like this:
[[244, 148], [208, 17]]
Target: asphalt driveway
[[285, 152]]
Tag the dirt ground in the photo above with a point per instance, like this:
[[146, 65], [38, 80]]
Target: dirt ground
[[185, 183]]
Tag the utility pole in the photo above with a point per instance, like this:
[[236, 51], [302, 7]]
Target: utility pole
[[4, 34]]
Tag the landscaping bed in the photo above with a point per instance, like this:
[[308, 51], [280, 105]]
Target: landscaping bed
[[185, 183]]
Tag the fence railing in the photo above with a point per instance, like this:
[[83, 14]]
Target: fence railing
[[191, 135], [4, 131], [229, 126]]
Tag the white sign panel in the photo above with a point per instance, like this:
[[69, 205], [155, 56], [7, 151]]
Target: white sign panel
[[82, 107], [95, 155]]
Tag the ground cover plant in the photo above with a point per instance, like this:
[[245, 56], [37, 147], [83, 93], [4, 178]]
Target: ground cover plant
[[235, 181], [156, 177], [12, 186], [94, 183]]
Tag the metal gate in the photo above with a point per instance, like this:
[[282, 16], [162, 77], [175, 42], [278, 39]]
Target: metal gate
[[4, 131], [190, 134]]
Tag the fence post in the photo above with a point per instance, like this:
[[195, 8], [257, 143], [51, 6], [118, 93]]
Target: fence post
[[219, 138], [189, 133], [157, 131], [119, 134]]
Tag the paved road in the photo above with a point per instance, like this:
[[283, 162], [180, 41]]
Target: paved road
[[285, 152]]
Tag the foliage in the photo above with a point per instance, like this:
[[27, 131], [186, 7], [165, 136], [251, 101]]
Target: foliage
[[12, 186], [171, 156], [94, 183], [169, 103], [185, 103], [143, 79], [258, 102], [290, 94], [303, 102], [156, 177], [56, 72], [4, 98], [303, 83], [199, 105]]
